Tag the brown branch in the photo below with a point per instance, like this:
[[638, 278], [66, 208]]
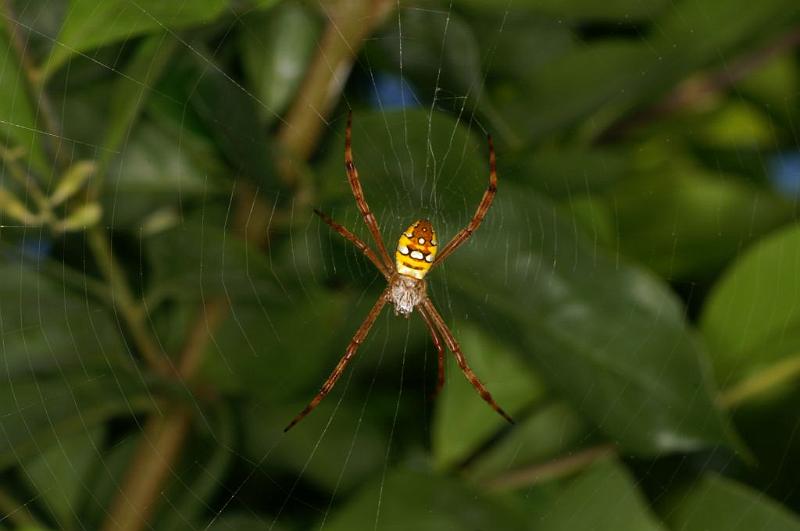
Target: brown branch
[[350, 22], [560, 467], [34, 87], [696, 90], [126, 303]]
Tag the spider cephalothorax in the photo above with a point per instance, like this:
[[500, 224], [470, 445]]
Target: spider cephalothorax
[[414, 258]]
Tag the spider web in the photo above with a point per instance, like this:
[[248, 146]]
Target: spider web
[[389, 381]]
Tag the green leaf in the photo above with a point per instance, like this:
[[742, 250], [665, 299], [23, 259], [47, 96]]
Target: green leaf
[[276, 47], [231, 115], [18, 126], [194, 485], [603, 498], [200, 258], [554, 430], [686, 222], [130, 93], [260, 332], [752, 316], [459, 409], [609, 337], [89, 24], [421, 501], [625, 10], [42, 410], [59, 474], [715, 503], [46, 327], [333, 447], [152, 173]]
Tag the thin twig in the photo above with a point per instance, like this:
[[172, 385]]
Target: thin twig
[[34, 86], [698, 89], [125, 302], [556, 468], [761, 382], [350, 22]]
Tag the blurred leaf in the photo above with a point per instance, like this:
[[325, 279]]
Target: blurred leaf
[[242, 522], [552, 431], [739, 125], [105, 479], [697, 32], [204, 465], [72, 180], [687, 223], [11, 207], [566, 172], [608, 336], [775, 85], [46, 327], [89, 24], [131, 91], [80, 218], [231, 114], [422, 501], [625, 10], [200, 258], [336, 449], [752, 316], [18, 124], [42, 410], [276, 47], [459, 409], [249, 352], [715, 503], [608, 74], [603, 498], [152, 172], [58, 475]]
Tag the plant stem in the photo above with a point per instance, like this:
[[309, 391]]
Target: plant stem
[[125, 302], [35, 87], [350, 22], [556, 468], [160, 443], [761, 382]]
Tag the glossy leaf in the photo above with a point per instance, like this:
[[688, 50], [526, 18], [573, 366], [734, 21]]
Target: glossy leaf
[[686, 222], [420, 500], [752, 317], [460, 409], [59, 474], [715, 503], [43, 410], [276, 47], [90, 24], [603, 498], [336, 447], [553, 430], [198, 259], [46, 327]]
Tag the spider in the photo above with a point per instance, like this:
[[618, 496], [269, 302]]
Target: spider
[[415, 256]]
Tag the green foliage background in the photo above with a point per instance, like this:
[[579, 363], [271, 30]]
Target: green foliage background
[[168, 301]]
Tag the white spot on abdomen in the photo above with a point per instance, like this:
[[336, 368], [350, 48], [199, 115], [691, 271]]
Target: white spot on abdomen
[[416, 255]]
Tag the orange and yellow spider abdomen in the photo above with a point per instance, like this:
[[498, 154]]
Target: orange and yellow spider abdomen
[[416, 249]]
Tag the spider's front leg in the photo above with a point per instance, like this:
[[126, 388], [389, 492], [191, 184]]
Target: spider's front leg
[[352, 348]]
